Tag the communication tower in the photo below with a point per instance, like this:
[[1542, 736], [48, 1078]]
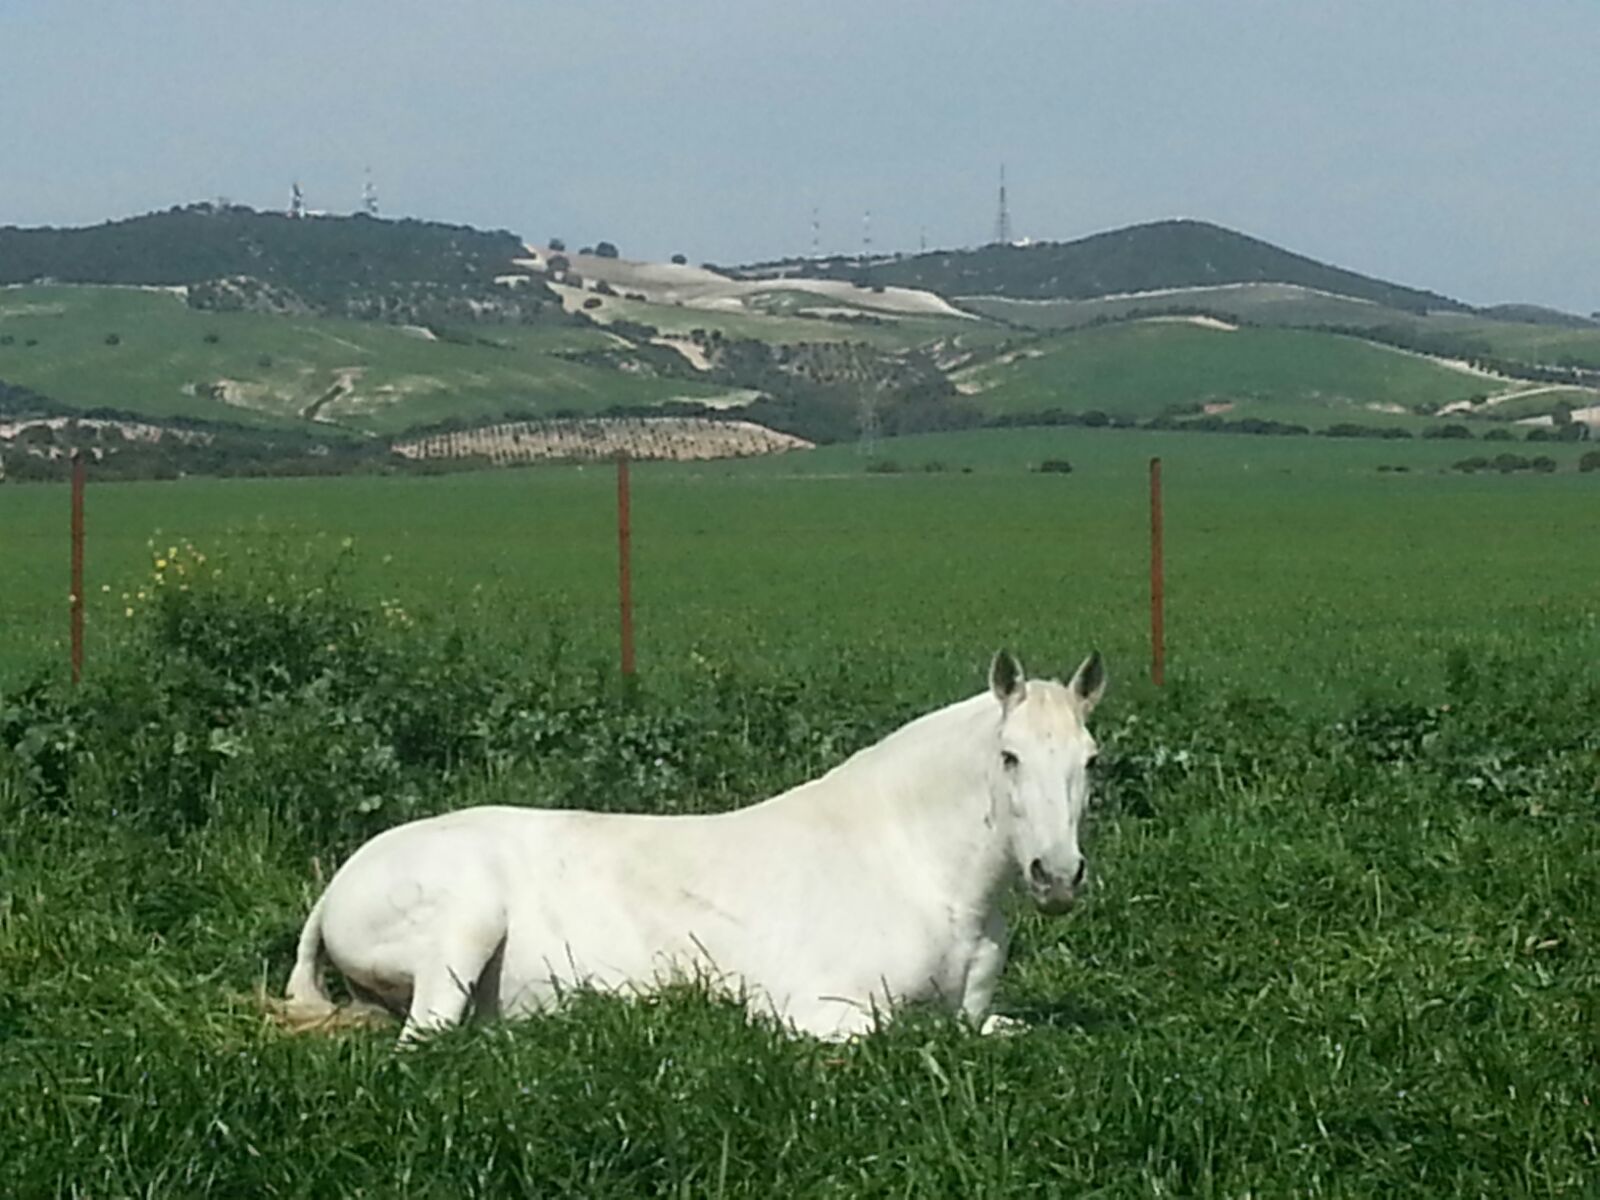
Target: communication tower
[[297, 201], [867, 421], [816, 233], [369, 196], [1002, 220]]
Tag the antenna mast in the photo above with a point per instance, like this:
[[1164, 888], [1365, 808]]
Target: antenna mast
[[369, 196], [1002, 220], [816, 233], [297, 201]]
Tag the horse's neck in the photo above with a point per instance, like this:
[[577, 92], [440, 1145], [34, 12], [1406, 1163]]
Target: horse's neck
[[925, 790]]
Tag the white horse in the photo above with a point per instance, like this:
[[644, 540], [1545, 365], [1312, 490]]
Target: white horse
[[877, 884]]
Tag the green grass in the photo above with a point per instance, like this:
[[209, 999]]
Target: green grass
[[282, 365], [1141, 369], [1347, 866], [1528, 343]]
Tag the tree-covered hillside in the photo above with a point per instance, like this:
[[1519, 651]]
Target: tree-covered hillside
[[1140, 258], [238, 258]]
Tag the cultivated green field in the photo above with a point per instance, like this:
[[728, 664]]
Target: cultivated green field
[[1141, 369], [273, 369], [1347, 866]]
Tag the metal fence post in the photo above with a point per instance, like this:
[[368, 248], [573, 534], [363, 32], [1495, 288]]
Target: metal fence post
[[624, 564], [79, 474], [1158, 635]]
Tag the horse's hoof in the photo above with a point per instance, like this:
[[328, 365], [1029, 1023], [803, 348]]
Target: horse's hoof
[[994, 1023]]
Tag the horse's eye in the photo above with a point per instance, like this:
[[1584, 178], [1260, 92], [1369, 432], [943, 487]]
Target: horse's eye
[[1008, 760], [1094, 759]]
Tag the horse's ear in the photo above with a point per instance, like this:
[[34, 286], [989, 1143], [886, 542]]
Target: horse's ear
[[1089, 683], [1006, 680]]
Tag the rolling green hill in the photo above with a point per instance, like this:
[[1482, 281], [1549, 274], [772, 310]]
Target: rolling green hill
[[233, 257], [1144, 369], [144, 351], [1140, 258]]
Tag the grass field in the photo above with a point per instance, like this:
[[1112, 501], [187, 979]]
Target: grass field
[[1553, 344], [278, 367], [1142, 368], [1347, 866]]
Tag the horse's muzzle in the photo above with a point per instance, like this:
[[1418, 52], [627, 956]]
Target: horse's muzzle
[[1054, 894]]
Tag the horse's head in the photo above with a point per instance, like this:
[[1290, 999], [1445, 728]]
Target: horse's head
[[1040, 776]]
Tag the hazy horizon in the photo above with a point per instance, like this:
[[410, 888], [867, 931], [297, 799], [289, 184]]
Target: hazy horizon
[[1445, 146]]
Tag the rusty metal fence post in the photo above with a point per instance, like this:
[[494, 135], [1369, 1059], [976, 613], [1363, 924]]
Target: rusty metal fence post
[[79, 474], [625, 565], [1158, 633]]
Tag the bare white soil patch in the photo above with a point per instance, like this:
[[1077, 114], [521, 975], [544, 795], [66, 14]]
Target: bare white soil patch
[[1276, 291], [676, 438], [700, 287], [693, 354], [1513, 394], [1196, 319]]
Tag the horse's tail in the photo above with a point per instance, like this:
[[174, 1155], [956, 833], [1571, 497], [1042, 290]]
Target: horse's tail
[[304, 988], [305, 1005], [304, 1002]]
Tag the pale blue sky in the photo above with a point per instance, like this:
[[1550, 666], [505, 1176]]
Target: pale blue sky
[[1449, 144]]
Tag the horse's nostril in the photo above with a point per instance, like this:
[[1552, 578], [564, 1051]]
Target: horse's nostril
[[1083, 869], [1038, 874]]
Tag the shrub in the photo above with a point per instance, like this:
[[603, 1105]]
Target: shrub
[[1544, 465], [1499, 435], [113, 339], [1054, 466], [592, 302], [679, 260], [211, 339], [605, 250], [1590, 461], [884, 466]]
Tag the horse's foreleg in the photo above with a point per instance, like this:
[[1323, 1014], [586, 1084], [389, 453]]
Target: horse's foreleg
[[983, 972]]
